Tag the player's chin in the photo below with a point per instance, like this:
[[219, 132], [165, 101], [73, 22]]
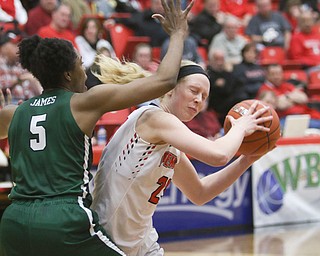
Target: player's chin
[[188, 117]]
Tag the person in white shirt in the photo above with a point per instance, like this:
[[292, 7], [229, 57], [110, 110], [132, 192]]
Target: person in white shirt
[[150, 150]]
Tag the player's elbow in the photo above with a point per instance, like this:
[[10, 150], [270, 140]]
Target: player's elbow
[[220, 159], [200, 200]]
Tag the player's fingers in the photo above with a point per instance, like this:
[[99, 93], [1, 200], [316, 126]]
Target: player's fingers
[[9, 96], [178, 3], [165, 5], [187, 10], [253, 107], [170, 5], [264, 119], [263, 128], [2, 103], [261, 111], [230, 119]]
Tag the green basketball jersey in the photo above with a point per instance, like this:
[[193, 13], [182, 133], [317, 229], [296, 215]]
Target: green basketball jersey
[[50, 155]]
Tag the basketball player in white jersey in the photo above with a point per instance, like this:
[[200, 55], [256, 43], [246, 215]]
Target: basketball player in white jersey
[[149, 151]]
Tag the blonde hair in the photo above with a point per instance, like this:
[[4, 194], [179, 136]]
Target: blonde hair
[[113, 71]]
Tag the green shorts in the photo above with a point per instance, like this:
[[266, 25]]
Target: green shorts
[[52, 227]]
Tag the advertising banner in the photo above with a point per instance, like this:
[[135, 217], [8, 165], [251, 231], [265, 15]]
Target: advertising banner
[[286, 186], [231, 208]]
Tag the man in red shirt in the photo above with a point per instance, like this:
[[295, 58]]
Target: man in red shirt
[[40, 16], [305, 42], [59, 26], [290, 100], [240, 9]]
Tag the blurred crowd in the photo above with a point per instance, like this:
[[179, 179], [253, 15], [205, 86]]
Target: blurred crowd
[[263, 49]]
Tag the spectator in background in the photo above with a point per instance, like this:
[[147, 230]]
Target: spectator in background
[[190, 51], [290, 100], [270, 98], [128, 6], [11, 10], [79, 8], [90, 35], [21, 82], [229, 41], [223, 92], [143, 24], [29, 4], [309, 4], [291, 12], [103, 47], [239, 9], [248, 74], [40, 16], [59, 25], [305, 43], [268, 27], [142, 55], [108, 8], [101, 7], [207, 23]]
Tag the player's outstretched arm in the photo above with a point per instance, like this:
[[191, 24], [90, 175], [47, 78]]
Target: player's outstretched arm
[[118, 96]]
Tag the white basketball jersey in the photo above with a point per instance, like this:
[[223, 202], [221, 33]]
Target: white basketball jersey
[[131, 178]]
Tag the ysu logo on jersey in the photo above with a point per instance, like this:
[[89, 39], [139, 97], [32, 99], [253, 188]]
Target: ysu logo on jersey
[[168, 160]]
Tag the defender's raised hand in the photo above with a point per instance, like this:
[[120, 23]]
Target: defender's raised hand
[[174, 19]]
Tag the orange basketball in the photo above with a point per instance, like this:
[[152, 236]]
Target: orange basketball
[[259, 142]]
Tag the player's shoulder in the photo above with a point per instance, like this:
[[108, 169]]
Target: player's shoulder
[[157, 118]]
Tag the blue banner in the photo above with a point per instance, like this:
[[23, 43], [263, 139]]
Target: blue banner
[[231, 208]]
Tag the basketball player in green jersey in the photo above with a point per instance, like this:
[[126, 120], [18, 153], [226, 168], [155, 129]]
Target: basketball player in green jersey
[[50, 146]]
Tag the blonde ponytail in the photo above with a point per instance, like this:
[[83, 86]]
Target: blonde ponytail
[[113, 71]]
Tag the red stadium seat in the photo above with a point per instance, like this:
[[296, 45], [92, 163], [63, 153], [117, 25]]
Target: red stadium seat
[[272, 55], [277, 55], [203, 53], [314, 83], [124, 40], [296, 74], [156, 53], [114, 117], [112, 121]]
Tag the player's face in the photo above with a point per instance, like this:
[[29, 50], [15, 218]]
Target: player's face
[[189, 97], [79, 76]]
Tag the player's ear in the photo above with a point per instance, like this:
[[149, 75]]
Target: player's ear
[[67, 76], [170, 93]]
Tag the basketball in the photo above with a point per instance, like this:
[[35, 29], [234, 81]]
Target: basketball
[[259, 142]]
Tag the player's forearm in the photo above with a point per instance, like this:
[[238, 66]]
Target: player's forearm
[[216, 183], [170, 64]]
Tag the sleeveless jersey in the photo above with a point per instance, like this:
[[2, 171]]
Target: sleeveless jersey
[[131, 178], [50, 155]]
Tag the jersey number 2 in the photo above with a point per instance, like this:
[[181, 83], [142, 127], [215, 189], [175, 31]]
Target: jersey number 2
[[36, 129], [163, 184]]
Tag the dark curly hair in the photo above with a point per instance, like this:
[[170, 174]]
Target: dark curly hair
[[47, 59]]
